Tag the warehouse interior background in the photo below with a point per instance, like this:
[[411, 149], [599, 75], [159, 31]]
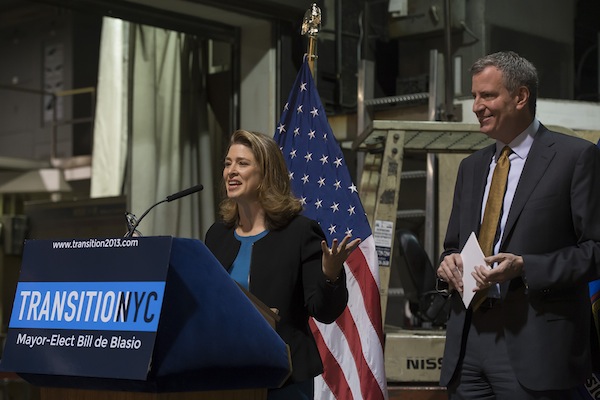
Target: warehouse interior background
[[248, 53]]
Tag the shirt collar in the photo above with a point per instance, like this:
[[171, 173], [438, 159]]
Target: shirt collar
[[522, 143]]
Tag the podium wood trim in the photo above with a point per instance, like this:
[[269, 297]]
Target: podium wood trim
[[271, 316], [268, 313], [48, 393]]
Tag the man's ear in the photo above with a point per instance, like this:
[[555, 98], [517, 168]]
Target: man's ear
[[522, 97]]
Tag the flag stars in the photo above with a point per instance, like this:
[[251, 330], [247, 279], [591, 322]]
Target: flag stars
[[305, 179], [303, 201], [281, 128], [308, 157], [314, 112], [286, 107], [351, 210], [319, 203], [337, 184], [321, 182], [303, 86], [291, 174], [348, 232], [338, 162], [324, 159], [299, 109], [311, 134], [297, 131], [325, 137], [332, 229], [293, 154], [335, 207], [352, 188]]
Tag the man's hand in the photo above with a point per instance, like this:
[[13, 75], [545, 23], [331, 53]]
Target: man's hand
[[508, 266], [450, 271]]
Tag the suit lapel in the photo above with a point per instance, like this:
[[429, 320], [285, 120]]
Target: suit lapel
[[482, 166], [540, 156]]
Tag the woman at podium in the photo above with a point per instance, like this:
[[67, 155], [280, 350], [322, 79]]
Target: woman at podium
[[279, 255]]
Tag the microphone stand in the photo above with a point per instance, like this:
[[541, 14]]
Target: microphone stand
[[132, 222]]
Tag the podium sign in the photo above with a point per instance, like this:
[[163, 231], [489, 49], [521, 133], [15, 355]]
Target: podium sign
[[148, 314], [83, 300]]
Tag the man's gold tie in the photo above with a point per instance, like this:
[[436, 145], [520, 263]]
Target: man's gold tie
[[491, 216]]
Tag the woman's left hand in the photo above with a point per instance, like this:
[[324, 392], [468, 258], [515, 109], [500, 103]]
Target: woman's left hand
[[334, 257]]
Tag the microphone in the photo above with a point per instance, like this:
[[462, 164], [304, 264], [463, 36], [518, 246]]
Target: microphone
[[132, 223], [184, 193]]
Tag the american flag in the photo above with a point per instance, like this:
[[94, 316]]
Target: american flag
[[352, 347]]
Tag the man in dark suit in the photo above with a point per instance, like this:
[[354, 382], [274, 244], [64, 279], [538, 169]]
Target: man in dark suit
[[529, 338]]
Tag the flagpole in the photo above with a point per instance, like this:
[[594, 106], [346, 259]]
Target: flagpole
[[311, 25]]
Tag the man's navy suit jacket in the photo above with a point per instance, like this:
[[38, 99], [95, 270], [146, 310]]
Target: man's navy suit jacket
[[554, 224]]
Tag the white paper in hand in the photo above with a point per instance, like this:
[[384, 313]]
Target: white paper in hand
[[472, 256]]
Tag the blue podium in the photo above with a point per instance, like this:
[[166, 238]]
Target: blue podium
[[147, 316]]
